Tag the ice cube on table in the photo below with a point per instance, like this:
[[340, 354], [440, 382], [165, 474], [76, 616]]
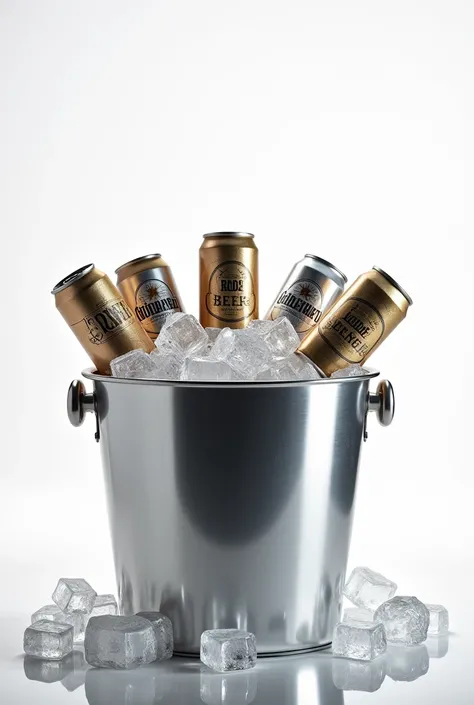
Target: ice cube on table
[[164, 633], [357, 614], [363, 641], [74, 595], [405, 619], [437, 646], [119, 642], [52, 613], [439, 620], [48, 640], [204, 369], [228, 649], [135, 363], [104, 604], [366, 588], [407, 664], [243, 350], [349, 674], [183, 333], [350, 371], [167, 364], [280, 337]]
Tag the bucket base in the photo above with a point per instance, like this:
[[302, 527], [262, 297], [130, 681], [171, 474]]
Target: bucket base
[[269, 654]]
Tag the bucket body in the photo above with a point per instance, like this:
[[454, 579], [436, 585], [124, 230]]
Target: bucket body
[[231, 505]]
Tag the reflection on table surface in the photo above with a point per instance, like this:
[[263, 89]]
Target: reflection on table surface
[[316, 678]]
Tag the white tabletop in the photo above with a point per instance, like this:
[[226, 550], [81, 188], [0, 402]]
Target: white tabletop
[[440, 671]]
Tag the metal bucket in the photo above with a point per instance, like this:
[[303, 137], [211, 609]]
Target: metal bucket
[[231, 505]]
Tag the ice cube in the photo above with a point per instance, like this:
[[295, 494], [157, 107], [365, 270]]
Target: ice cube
[[437, 646], [357, 614], [350, 371], [407, 664], [119, 642], [229, 689], [280, 337], [135, 363], [289, 369], [243, 350], [52, 613], [48, 640], [405, 619], [164, 633], [45, 670], [439, 620], [260, 327], [363, 641], [212, 334], [228, 649], [167, 364], [183, 333], [104, 604], [366, 588], [76, 675], [367, 676], [205, 369], [74, 595]]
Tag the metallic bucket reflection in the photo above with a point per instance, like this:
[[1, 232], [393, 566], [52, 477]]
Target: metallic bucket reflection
[[231, 505]]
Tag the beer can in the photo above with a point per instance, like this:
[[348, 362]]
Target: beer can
[[358, 323], [98, 316], [149, 288], [228, 280], [311, 287]]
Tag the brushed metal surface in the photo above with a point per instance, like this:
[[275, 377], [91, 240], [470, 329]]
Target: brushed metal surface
[[231, 505]]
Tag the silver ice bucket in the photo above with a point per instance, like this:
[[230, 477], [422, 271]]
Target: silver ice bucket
[[231, 505]]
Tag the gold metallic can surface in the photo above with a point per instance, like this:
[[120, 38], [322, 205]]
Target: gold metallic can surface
[[358, 322], [98, 316], [149, 288], [228, 263]]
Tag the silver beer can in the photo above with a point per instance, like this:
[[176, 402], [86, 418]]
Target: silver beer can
[[312, 286]]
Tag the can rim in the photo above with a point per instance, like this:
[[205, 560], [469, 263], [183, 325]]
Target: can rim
[[228, 233], [90, 373], [394, 283], [135, 260], [73, 277], [329, 264]]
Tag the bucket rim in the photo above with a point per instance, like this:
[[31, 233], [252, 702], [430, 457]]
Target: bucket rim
[[90, 373]]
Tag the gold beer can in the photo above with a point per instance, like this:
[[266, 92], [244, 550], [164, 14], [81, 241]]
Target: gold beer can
[[358, 322], [98, 316], [149, 288], [228, 264]]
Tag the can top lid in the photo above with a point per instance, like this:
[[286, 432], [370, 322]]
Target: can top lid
[[136, 260], [230, 233], [395, 284], [73, 277], [324, 261]]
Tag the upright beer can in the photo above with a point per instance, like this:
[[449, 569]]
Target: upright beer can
[[98, 316], [228, 280], [150, 290], [310, 289], [358, 323]]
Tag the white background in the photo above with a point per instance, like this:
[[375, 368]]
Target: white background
[[341, 128]]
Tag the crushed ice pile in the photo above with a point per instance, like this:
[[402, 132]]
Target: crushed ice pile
[[265, 351]]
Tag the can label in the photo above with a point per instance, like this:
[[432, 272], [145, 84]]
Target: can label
[[231, 295], [108, 320], [154, 301], [301, 303], [354, 329]]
